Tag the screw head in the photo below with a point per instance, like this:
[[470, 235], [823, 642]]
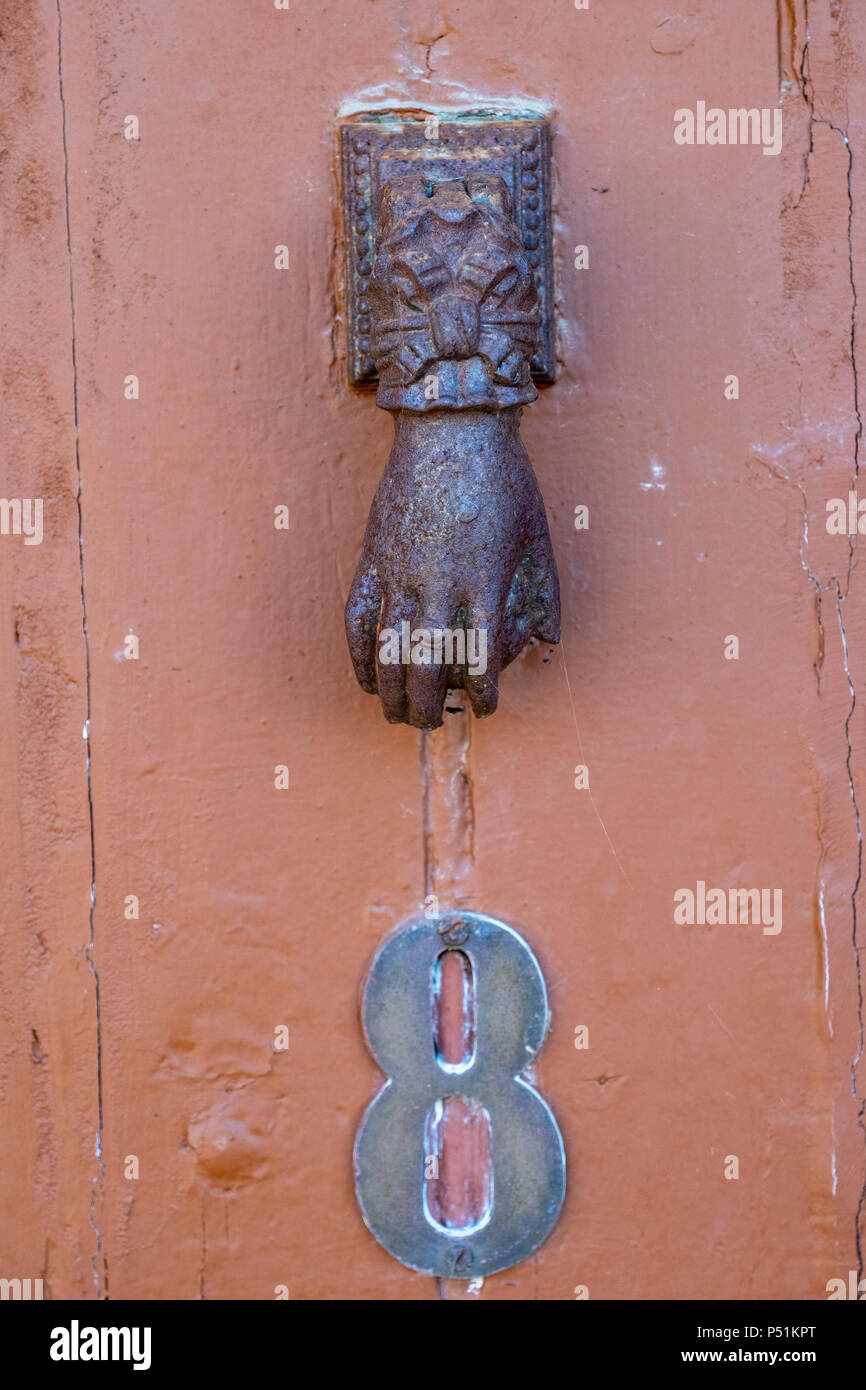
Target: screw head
[[454, 933]]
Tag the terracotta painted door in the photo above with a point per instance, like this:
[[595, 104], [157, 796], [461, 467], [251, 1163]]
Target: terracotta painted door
[[184, 936]]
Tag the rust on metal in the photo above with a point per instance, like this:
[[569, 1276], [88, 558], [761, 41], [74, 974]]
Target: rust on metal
[[449, 311]]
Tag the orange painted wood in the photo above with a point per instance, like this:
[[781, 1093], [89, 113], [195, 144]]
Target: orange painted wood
[[260, 908]]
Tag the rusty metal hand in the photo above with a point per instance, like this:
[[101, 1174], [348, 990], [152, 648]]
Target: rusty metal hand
[[457, 541], [457, 571]]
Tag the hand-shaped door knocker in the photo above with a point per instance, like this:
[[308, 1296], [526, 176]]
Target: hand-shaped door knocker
[[457, 571]]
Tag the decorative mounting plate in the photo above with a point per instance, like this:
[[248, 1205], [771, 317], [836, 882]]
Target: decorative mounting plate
[[379, 146]]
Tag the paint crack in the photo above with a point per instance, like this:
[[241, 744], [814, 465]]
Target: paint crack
[[100, 1277], [804, 81]]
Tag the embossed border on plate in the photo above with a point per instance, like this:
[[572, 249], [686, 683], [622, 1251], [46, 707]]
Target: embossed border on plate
[[376, 146]]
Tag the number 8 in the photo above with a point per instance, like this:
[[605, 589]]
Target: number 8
[[526, 1153]]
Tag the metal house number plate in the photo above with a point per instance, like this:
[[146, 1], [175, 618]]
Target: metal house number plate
[[527, 1160]]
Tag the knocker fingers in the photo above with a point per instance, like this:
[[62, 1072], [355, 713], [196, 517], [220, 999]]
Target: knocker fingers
[[484, 635], [393, 652], [433, 654], [362, 619], [544, 609], [427, 688], [532, 607]]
